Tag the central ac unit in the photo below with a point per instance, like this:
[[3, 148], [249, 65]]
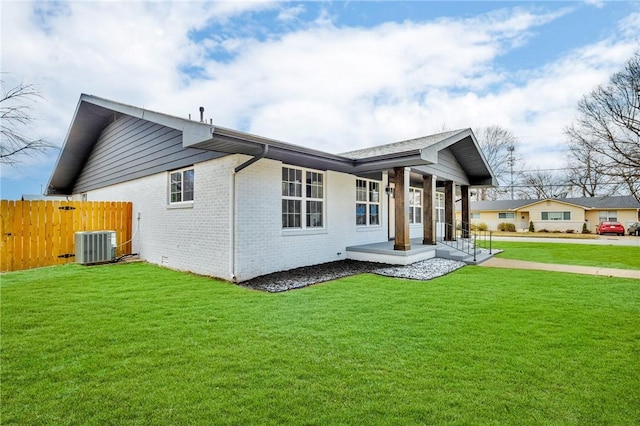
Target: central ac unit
[[95, 247]]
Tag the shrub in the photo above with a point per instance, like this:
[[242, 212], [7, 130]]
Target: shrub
[[585, 230], [531, 227], [543, 230], [507, 227], [570, 231], [480, 227]]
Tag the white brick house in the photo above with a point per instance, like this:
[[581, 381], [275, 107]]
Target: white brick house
[[232, 205]]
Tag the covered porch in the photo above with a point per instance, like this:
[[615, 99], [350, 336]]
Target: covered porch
[[449, 163], [426, 178]]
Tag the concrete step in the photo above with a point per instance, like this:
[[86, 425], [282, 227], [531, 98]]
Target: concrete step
[[447, 252]]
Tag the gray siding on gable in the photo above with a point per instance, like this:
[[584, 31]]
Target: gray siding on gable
[[448, 168], [130, 148]]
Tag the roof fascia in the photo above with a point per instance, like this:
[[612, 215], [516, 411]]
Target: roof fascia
[[192, 131], [60, 154], [249, 144], [469, 133], [430, 153], [558, 201]]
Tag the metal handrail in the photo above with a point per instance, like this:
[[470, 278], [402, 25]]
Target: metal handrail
[[463, 238]]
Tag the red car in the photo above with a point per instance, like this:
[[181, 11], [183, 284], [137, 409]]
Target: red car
[[610, 228]]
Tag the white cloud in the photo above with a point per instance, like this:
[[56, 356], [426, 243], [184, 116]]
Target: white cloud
[[318, 84], [288, 14]]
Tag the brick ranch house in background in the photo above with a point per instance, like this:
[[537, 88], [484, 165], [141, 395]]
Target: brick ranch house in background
[[233, 205], [556, 214]]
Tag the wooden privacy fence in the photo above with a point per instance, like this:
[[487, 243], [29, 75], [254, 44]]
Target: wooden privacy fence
[[41, 233]]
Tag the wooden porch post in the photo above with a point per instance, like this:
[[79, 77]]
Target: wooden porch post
[[429, 189], [402, 240], [466, 222], [449, 212]]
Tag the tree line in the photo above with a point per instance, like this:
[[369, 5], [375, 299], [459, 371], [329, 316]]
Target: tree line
[[603, 155]]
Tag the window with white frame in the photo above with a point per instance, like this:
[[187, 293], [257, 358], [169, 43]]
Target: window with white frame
[[302, 198], [474, 215], [367, 202], [181, 186], [608, 216], [415, 205], [506, 215], [440, 207], [556, 215]]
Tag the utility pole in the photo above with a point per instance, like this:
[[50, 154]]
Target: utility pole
[[511, 161]]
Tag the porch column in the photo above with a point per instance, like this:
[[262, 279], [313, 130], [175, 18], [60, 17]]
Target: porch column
[[429, 189], [466, 219], [449, 212], [402, 241]]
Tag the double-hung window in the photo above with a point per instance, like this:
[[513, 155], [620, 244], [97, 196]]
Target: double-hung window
[[367, 202], [608, 216], [302, 198], [181, 186], [415, 205], [506, 215], [556, 216]]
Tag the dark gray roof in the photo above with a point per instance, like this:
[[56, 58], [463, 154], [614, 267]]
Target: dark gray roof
[[615, 202], [93, 114], [417, 144]]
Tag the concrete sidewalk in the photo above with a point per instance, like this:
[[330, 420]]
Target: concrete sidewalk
[[496, 262]]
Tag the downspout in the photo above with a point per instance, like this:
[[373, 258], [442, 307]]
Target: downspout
[[265, 149], [261, 155]]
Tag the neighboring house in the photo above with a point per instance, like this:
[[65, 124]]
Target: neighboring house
[[556, 214], [233, 205]]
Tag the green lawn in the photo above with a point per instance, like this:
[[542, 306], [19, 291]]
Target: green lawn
[[139, 344], [607, 256]]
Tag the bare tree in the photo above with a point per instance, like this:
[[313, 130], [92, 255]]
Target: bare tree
[[16, 107], [498, 146], [542, 184], [587, 172], [608, 127]]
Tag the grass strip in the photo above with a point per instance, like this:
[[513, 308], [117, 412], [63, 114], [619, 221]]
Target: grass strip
[[605, 256]]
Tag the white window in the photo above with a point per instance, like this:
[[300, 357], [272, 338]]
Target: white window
[[608, 216], [181, 186], [415, 205], [474, 215], [302, 198], [556, 216], [506, 215], [367, 202], [439, 206]]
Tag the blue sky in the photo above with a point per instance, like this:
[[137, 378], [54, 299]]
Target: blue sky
[[335, 76]]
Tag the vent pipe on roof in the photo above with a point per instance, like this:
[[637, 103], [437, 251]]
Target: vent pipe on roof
[[202, 114]]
